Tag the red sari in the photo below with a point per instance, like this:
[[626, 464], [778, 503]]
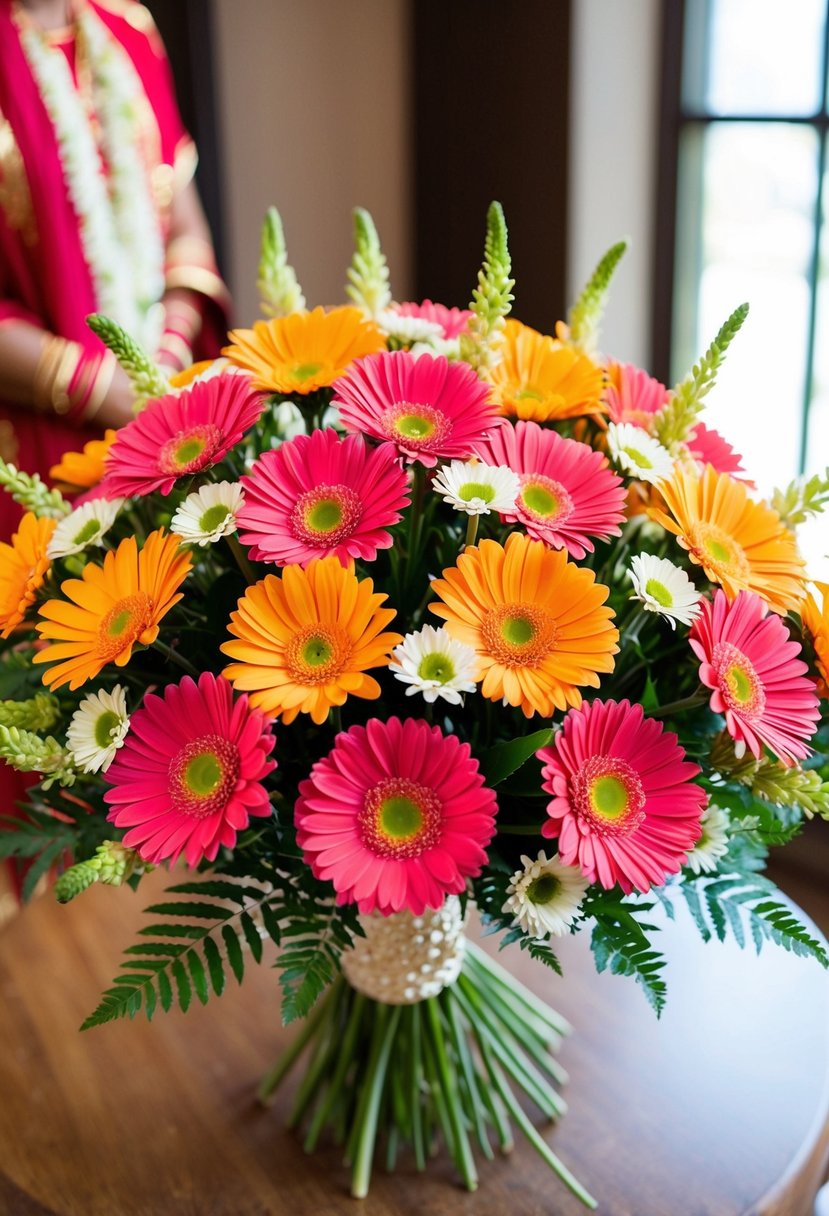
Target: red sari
[[44, 278]]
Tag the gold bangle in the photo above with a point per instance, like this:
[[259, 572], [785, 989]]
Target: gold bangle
[[173, 344], [58, 363], [103, 381]]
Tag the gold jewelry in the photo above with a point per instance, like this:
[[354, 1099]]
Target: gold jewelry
[[103, 381], [56, 367]]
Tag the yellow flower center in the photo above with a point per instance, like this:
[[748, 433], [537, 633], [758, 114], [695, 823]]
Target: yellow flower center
[[203, 775], [415, 426], [715, 550], [544, 500], [741, 687], [123, 625], [326, 515], [608, 795], [659, 592], [518, 635], [317, 654], [400, 818], [191, 450]]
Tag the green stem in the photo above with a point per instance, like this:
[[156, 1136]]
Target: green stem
[[345, 1058], [520, 829], [471, 530], [384, 1032], [175, 657], [475, 1105], [322, 1060], [518, 990], [242, 560], [415, 1080], [674, 707], [449, 1083]]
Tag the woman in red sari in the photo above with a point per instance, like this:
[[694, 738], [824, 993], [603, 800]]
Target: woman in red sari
[[98, 213]]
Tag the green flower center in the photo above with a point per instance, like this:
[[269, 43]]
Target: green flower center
[[476, 489], [400, 818], [544, 889], [717, 551], [517, 630], [415, 425], [608, 795], [214, 517], [518, 635], [89, 530], [203, 775], [317, 651], [326, 516], [190, 451], [529, 394], [123, 624], [304, 371], [105, 726], [659, 592], [544, 500], [639, 458], [437, 667], [741, 687]]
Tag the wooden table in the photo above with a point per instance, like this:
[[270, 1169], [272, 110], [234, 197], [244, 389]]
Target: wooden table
[[720, 1109]]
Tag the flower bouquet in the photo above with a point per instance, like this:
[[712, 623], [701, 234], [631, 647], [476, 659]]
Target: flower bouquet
[[394, 610]]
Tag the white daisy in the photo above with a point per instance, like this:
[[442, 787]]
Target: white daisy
[[545, 896], [87, 525], [406, 330], [477, 488], [209, 513], [662, 587], [98, 728], [435, 664], [712, 844], [450, 348], [638, 453]]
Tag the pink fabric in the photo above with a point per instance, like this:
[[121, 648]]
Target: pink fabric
[[48, 283]]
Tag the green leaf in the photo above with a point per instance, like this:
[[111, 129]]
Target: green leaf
[[192, 908], [234, 953], [505, 758], [183, 987], [215, 966], [252, 936], [198, 975], [619, 942]]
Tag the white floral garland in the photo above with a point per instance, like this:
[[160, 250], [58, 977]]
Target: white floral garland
[[119, 227]]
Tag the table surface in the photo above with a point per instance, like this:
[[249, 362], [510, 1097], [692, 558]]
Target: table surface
[[719, 1109]]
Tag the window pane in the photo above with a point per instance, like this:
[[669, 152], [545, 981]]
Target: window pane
[[753, 57], [817, 452], [745, 232]]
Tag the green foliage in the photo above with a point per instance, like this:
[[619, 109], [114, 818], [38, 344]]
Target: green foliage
[[620, 942], [802, 498], [28, 753], [734, 902], [585, 316], [279, 291], [213, 927], [676, 419], [39, 712], [368, 274], [492, 298], [111, 864], [32, 494], [503, 759], [147, 379]]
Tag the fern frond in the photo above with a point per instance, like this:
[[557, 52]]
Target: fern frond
[[585, 316], [675, 421], [621, 943]]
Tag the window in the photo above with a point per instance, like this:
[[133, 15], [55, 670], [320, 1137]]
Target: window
[[745, 160]]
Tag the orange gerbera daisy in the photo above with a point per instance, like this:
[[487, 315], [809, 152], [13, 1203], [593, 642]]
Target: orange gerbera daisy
[[23, 566], [187, 375], [113, 607], [82, 470], [536, 621], [740, 544], [541, 379], [305, 350], [816, 625], [306, 640]]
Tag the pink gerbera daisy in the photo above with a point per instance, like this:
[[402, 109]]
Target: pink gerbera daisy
[[625, 807], [395, 816], [178, 435], [188, 777], [758, 682], [568, 491], [632, 395], [453, 321], [319, 494], [429, 408], [708, 447]]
